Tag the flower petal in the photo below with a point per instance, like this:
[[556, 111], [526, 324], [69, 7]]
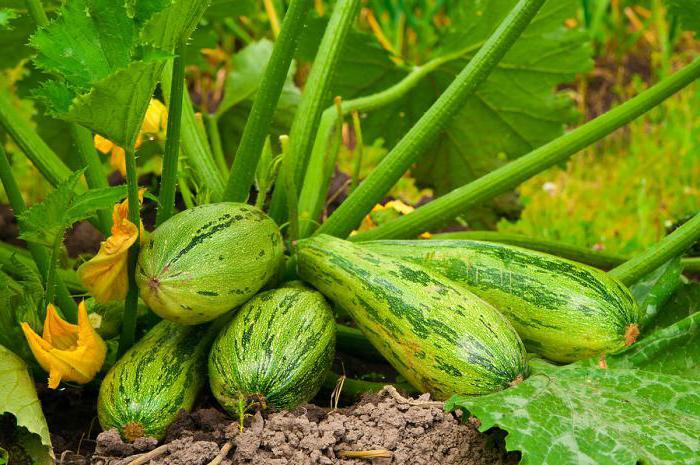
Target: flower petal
[[103, 145], [58, 332]]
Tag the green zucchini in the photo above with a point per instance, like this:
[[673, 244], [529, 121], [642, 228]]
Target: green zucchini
[[563, 310], [275, 352], [442, 338], [207, 260], [160, 375]]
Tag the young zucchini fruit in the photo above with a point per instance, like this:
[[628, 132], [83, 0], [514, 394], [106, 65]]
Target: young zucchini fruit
[[207, 260], [442, 338], [275, 352], [160, 375], [563, 310]]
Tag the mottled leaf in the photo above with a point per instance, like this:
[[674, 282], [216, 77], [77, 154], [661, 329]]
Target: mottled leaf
[[20, 410], [587, 415]]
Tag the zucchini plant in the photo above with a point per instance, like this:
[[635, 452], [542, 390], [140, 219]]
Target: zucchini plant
[[453, 315]]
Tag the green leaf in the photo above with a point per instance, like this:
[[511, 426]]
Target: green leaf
[[247, 69], [220, 9], [652, 291], [20, 410], [167, 28], [644, 407], [14, 29], [514, 111], [585, 414], [673, 350], [689, 13], [108, 59], [685, 302], [45, 221]]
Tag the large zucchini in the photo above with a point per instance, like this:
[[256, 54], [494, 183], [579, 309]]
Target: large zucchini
[[275, 351], [207, 260], [163, 373], [563, 310], [442, 338]]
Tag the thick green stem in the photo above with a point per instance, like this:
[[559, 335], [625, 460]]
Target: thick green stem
[[94, 170], [128, 331], [560, 249], [211, 122], [168, 180], [291, 193], [359, 151], [195, 149], [43, 158], [432, 123], [50, 278], [669, 247], [353, 388], [353, 342], [315, 189], [38, 253], [450, 206], [36, 10], [313, 100], [260, 117]]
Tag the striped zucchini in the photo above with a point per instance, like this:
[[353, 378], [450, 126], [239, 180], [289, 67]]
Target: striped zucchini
[[160, 375], [205, 261], [275, 352], [563, 310], [442, 338]]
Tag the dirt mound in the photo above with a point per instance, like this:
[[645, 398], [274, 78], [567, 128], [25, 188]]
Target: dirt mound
[[382, 429]]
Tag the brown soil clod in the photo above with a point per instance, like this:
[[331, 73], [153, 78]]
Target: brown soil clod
[[382, 429]]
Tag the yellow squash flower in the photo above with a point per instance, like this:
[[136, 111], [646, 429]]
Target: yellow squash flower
[[154, 123], [66, 351], [105, 275]]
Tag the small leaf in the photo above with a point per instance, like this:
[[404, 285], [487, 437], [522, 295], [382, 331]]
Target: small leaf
[[18, 399], [87, 204], [43, 221], [167, 28]]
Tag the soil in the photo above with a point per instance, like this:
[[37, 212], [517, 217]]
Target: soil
[[393, 429]]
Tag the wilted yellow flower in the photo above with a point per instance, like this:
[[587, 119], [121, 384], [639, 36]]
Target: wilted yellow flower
[[105, 275], [154, 123], [66, 351]]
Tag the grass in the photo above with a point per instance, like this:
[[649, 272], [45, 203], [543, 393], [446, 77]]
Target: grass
[[621, 195]]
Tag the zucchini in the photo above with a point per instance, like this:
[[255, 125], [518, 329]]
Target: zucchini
[[160, 375], [563, 310], [442, 338], [207, 260], [275, 352]]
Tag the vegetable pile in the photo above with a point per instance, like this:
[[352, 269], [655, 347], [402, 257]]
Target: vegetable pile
[[247, 281]]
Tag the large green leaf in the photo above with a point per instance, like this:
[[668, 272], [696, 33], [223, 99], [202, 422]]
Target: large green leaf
[[108, 56], [20, 411], [644, 407], [511, 113], [15, 29], [688, 11], [652, 291]]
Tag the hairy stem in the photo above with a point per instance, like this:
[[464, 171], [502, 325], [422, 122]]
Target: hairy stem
[[168, 180], [313, 100], [44, 159], [38, 253], [431, 124], [94, 170], [211, 122], [450, 206], [670, 246], [260, 117], [195, 149], [128, 332], [36, 11]]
